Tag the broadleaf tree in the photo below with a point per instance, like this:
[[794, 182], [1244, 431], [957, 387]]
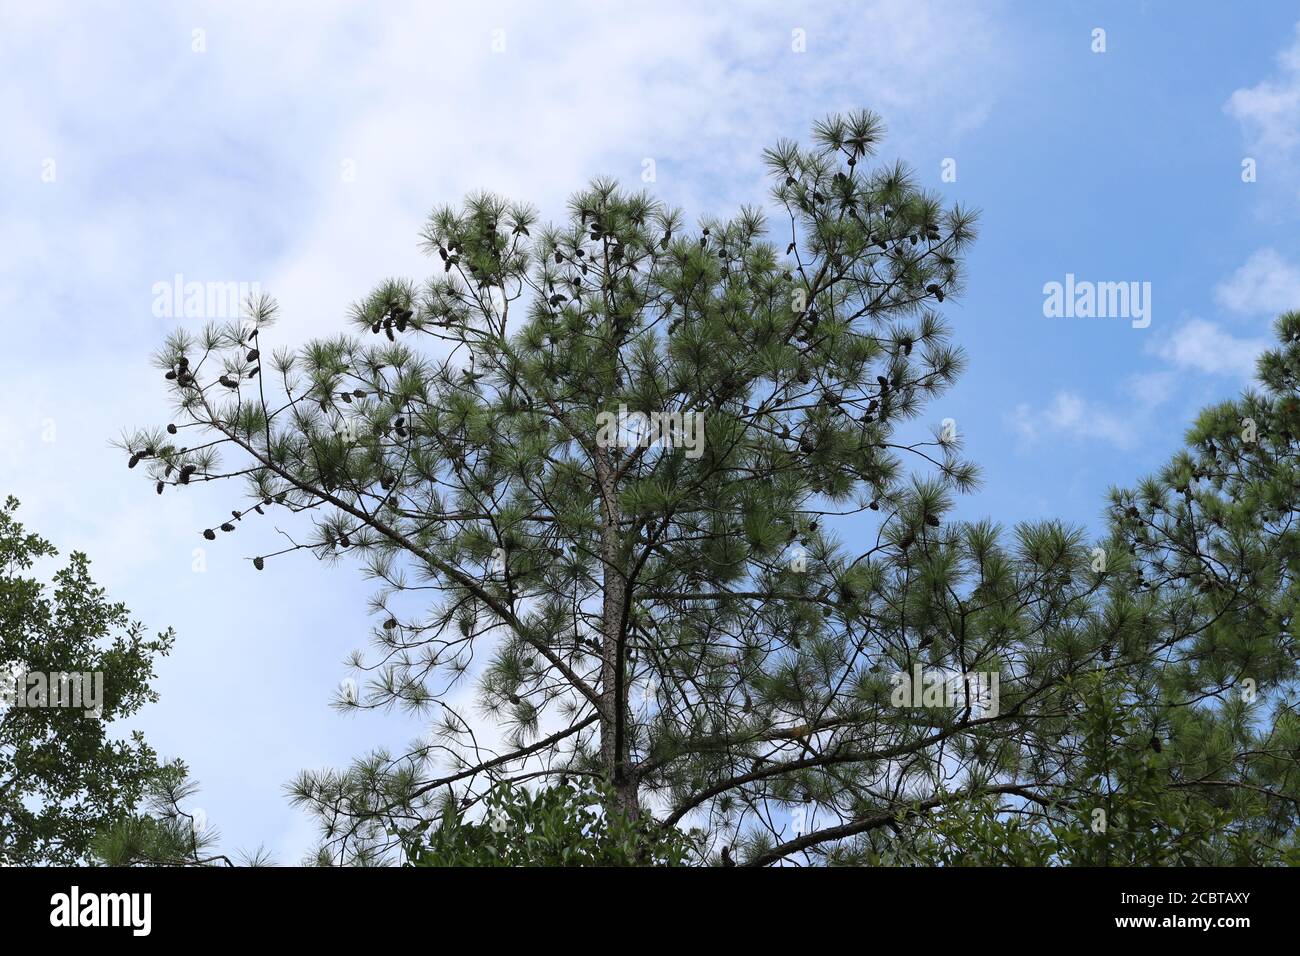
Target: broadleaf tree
[[565, 824], [73, 664]]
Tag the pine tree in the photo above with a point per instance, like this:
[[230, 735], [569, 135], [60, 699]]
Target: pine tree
[[1152, 712], [71, 664], [662, 603], [462, 451], [162, 832]]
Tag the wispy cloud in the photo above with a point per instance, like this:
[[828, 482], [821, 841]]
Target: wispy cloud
[[1071, 416], [1266, 284], [1202, 346], [1269, 114], [1197, 346]]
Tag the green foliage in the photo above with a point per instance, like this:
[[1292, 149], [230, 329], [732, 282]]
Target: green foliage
[[563, 825], [62, 777], [1128, 810], [1157, 674], [684, 622], [459, 454], [166, 834]]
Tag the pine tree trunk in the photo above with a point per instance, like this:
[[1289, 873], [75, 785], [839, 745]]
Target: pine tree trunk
[[613, 684]]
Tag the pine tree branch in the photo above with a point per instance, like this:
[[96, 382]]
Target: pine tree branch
[[876, 821]]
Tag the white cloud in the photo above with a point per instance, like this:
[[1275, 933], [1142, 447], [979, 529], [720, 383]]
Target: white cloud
[[1269, 112], [1202, 346], [579, 93], [1265, 285], [1069, 415], [1196, 346]]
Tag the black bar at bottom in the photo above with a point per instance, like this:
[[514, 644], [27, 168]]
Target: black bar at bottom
[[393, 904]]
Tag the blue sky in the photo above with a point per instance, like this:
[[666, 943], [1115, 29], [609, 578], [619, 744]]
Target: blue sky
[[228, 164]]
